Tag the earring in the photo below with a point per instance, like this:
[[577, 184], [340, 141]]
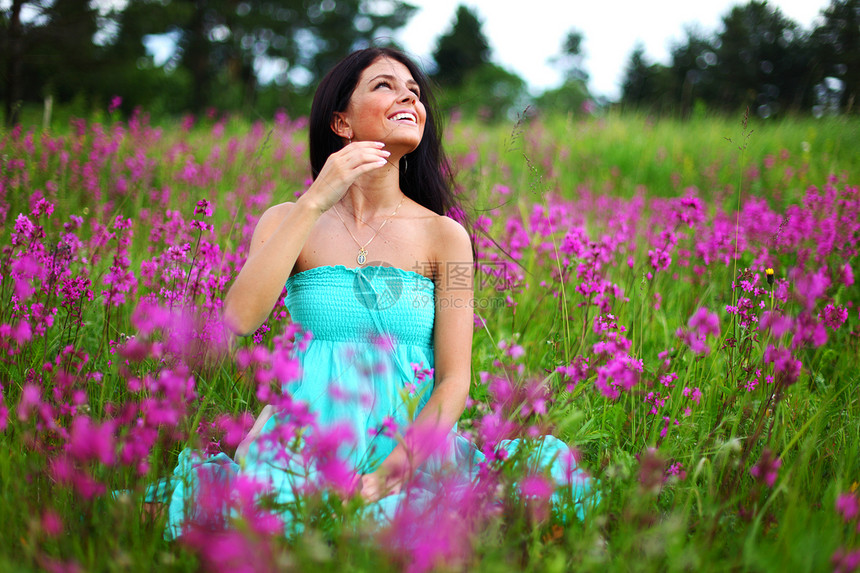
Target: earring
[[405, 165]]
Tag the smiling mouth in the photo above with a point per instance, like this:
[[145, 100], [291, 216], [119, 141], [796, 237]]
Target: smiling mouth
[[404, 117]]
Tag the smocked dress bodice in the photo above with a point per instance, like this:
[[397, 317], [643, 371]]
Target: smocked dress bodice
[[340, 304], [368, 364]]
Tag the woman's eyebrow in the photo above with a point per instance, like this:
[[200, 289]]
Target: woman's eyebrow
[[410, 81]]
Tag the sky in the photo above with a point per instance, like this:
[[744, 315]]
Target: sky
[[524, 35]]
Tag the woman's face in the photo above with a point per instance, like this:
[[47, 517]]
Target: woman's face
[[385, 107]]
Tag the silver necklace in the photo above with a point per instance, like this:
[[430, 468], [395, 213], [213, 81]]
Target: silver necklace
[[362, 249]]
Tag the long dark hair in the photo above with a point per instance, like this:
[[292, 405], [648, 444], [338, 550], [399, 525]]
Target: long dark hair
[[427, 179]]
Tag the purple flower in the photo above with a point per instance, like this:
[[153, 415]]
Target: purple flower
[[847, 274], [575, 373], [677, 469], [835, 316], [783, 362], [537, 486], [845, 561], [848, 505], [31, 399], [421, 374], [52, 525], [326, 448], [512, 349], [203, 208], [388, 428], [705, 322], [619, 372], [90, 441], [811, 287], [700, 325], [778, 323], [767, 468], [808, 330]]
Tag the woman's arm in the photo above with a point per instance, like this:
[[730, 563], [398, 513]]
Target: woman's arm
[[452, 335], [277, 241], [254, 433], [283, 231]]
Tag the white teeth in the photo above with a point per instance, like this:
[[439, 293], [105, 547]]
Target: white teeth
[[400, 116]]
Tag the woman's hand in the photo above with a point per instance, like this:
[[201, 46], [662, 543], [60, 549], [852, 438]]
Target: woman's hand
[[253, 433], [379, 484], [342, 168]]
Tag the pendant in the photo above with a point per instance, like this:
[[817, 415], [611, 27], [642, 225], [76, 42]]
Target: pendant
[[362, 256]]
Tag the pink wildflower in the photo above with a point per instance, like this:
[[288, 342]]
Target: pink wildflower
[[31, 399], [702, 324], [677, 469], [512, 349], [767, 468], [203, 208], [845, 562], [848, 505], [778, 323], [536, 486], [783, 362], [693, 394], [619, 372], [575, 373], [651, 470], [52, 525], [705, 322], [90, 441], [834, 316]]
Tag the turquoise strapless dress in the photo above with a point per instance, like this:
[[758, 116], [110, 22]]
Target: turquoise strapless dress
[[367, 371]]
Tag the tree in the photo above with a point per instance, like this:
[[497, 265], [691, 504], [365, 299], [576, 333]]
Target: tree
[[68, 50], [762, 60], [647, 85], [229, 42], [692, 72], [489, 92], [461, 50], [573, 93], [223, 48], [13, 48], [52, 53], [835, 46], [474, 85], [570, 59]]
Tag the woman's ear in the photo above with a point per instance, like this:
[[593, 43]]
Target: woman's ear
[[340, 126]]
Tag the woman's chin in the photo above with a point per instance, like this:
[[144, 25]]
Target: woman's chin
[[402, 141]]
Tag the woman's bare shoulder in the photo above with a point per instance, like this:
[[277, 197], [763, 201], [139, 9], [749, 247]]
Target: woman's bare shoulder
[[269, 221], [445, 228], [450, 238], [280, 209]]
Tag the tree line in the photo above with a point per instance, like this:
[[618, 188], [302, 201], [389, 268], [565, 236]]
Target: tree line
[[256, 56], [253, 56], [758, 59], [219, 49]]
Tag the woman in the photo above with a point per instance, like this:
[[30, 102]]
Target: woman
[[381, 278], [379, 192]]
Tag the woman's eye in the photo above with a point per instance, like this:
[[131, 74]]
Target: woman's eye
[[383, 84]]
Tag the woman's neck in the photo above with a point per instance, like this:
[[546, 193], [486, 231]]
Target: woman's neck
[[373, 195]]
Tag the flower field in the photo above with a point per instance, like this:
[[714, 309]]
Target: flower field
[[676, 301]]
